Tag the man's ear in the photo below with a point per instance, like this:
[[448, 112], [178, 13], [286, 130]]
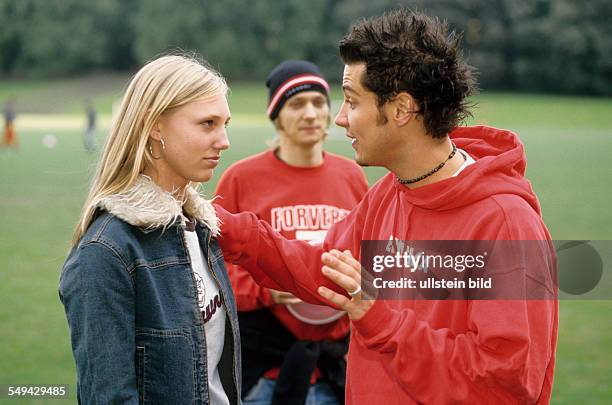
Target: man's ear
[[404, 108]]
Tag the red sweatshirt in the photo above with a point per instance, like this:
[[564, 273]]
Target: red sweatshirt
[[431, 352], [299, 203]]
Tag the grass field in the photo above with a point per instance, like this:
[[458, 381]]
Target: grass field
[[568, 143]]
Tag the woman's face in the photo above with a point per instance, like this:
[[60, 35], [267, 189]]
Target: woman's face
[[194, 136]]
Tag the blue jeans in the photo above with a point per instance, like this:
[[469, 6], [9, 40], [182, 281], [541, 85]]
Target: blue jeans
[[261, 394]]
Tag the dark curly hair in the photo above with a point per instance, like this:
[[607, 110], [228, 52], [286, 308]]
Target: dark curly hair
[[407, 51]]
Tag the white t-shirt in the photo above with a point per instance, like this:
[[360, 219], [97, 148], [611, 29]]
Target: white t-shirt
[[468, 161], [213, 313]]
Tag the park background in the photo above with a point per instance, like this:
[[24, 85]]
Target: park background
[[545, 72]]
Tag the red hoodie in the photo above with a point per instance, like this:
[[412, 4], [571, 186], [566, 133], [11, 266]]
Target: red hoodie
[[404, 352]]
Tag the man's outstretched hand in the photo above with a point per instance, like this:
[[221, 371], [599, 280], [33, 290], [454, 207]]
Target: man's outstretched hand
[[344, 270]]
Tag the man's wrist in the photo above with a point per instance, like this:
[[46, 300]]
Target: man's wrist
[[361, 309]]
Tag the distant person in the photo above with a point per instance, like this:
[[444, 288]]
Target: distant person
[[90, 129], [148, 300], [292, 351], [406, 89], [10, 114]]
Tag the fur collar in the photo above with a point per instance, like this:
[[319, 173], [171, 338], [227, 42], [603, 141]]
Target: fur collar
[[146, 205]]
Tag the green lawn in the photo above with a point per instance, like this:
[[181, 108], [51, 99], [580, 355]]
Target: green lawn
[[568, 141]]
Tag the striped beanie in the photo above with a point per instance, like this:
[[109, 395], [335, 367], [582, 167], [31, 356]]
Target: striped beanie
[[292, 77]]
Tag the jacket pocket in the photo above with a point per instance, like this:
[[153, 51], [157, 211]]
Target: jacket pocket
[[167, 360]]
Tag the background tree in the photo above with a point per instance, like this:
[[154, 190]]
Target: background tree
[[559, 46]]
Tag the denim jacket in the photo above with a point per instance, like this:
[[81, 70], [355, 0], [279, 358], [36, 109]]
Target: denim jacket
[[131, 303]]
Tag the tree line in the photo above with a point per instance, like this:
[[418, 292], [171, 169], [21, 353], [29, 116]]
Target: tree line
[[558, 46]]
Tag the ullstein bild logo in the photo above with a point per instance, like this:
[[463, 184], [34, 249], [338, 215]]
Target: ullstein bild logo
[[478, 270]]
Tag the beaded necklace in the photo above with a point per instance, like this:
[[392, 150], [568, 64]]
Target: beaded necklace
[[434, 170]]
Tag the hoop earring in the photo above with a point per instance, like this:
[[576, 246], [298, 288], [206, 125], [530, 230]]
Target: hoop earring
[[151, 149]]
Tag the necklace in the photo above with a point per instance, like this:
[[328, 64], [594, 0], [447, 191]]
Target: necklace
[[434, 170]]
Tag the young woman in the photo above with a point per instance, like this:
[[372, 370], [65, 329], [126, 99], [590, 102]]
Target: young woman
[[148, 300]]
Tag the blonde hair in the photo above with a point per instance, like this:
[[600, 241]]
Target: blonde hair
[[162, 84]]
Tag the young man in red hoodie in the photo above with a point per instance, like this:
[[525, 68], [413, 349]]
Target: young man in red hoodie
[[292, 350], [405, 86]]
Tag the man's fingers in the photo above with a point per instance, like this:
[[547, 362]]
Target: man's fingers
[[338, 300], [287, 298], [345, 271], [288, 301], [350, 284], [366, 278], [348, 258], [283, 297], [337, 261]]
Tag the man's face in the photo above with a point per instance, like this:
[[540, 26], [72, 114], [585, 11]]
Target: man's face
[[304, 119], [359, 115]]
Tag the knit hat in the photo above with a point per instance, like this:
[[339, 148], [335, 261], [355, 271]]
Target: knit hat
[[292, 77]]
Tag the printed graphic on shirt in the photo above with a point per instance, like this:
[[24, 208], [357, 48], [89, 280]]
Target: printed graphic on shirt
[[211, 308], [208, 309], [400, 247], [312, 237], [201, 291], [395, 245], [305, 217]]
